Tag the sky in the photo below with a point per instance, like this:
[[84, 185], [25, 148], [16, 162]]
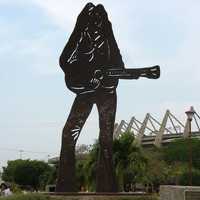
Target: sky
[[34, 102]]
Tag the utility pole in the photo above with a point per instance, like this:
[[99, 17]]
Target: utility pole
[[20, 153]]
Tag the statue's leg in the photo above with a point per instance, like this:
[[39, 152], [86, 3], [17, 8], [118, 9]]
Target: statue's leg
[[106, 180], [81, 108]]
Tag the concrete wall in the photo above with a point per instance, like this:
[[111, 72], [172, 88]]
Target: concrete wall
[[170, 192]]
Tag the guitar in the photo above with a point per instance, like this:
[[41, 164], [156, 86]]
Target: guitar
[[94, 83]]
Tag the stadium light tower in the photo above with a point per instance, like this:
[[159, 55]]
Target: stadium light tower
[[190, 114]]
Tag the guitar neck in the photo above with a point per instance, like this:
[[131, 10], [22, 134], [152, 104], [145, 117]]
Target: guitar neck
[[135, 73]]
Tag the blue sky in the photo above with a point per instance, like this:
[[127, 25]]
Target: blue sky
[[34, 100]]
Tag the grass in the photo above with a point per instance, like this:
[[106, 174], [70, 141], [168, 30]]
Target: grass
[[32, 196], [141, 198]]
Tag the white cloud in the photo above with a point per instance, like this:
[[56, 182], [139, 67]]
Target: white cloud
[[41, 55], [130, 19], [36, 55], [63, 13]]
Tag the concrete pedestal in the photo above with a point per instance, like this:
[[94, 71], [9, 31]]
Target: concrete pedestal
[[172, 192]]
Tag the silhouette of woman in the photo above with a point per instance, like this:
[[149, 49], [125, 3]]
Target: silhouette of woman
[[91, 47]]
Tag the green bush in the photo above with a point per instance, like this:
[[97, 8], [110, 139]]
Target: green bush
[[32, 173], [184, 178]]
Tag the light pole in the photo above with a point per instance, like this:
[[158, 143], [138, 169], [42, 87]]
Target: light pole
[[190, 113]]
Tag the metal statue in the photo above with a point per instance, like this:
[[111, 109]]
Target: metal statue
[[92, 64]]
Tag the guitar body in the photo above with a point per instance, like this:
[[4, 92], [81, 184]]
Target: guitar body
[[87, 82]]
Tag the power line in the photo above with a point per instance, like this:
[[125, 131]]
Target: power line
[[22, 150]]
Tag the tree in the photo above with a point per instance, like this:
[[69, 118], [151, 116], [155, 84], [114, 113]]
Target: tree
[[151, 166], [27, 173], [128, 160], [178, 151], [130, 163], [157, 171], [183, 179], [90, 165], [176, 154]]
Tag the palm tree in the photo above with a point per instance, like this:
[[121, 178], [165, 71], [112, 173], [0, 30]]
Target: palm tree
[[129, 161]]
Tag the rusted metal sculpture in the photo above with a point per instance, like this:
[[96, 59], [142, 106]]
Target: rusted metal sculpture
[[92, 64]]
